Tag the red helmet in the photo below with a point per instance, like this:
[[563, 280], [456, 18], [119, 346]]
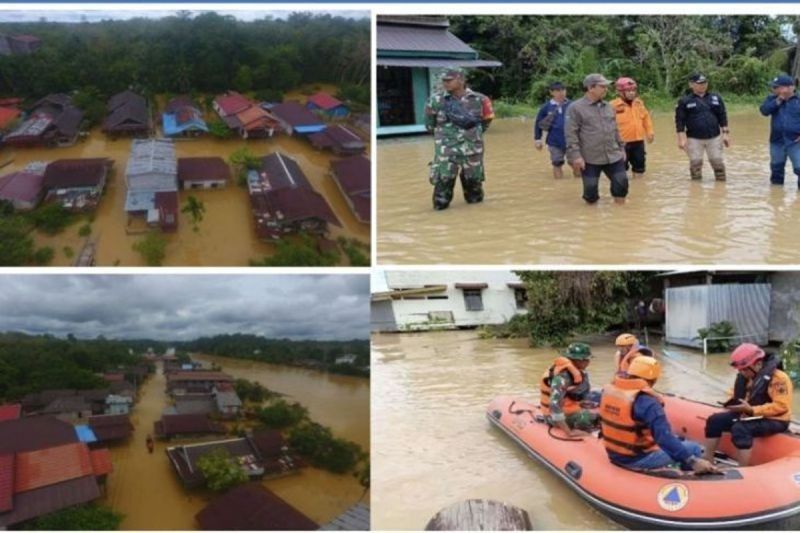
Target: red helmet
[[625, 84], [745, 355]]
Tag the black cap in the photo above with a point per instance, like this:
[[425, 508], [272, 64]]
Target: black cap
[[556, 85], [698, 78]]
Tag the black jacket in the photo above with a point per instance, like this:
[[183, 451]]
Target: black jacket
[[701, 118]]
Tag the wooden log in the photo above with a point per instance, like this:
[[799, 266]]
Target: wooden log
[[480, 515]]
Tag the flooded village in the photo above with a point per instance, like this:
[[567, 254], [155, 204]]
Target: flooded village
[[146, 176], [171, 439]]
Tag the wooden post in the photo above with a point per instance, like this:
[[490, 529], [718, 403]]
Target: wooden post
[[480, 515]]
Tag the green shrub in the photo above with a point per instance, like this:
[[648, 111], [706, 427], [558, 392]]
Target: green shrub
[[85, 230], [69, 253], [152, 248], [318, 444], [90, 517], [282, 414], [221, 470], [44, 256], [715, 330], [51, 218]]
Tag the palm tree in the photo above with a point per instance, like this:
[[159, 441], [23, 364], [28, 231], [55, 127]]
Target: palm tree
[[194, 208]]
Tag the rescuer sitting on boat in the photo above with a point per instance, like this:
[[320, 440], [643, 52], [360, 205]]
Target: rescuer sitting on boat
[[761, 404], [628, 348], [564, 386], [636, 432]]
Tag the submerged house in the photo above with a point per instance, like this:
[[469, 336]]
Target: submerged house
[[294, 118], [111, 427], [412, 52], [184, 459], [327, 104], [226, 401], [254, 508], [53, 121], [185, 425], [24, 189], [152, 181], [8, 115], [203, 173], [352, 176], [197, 381], [182, 118], [77, 184], [338, 139], [283, 200], [245, 117], [127, 116]]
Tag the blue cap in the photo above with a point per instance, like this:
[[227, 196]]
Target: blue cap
[[782, 81], [556, 85], [698, 78]]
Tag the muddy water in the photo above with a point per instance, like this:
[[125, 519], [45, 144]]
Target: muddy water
[[528, 217], [145, 488], [433, 446], [225, 237]]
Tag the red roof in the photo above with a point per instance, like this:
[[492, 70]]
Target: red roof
[[232, 102], [101, 461], [6, 482], [45, 500], [41, 468], [203, 168], [295, 114], [352, 174], [10, 411], [167, 204], [8, 115], [324, 100], [10, 101], [252, 507], [21, 186]]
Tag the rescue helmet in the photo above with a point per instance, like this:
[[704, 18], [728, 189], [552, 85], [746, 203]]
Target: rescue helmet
[[646, 351], [745, 355], [645, 367], [626, 339], [578, 351], [625, 84]]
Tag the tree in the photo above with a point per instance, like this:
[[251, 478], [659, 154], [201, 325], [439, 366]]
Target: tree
[[219, 129], [282, 414], [318, 444], [16, 246], [194, 208], [221, 470], [301, 251], [82, 518], [51, 218], [243, 160], [152, 248]]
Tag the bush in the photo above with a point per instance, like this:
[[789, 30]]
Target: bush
[[52, 218], [516, 328], [713, 332], [221, 470], [16, 246], [318, 444], [790, 355], [298, 252], [44, 256], [219, 129], [152, 248], [282, 414], [85, 230], [68, 252], [253, 391], [82, 518], [357, 253]]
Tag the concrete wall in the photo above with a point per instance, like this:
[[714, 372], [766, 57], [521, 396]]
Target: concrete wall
[[784, 312]]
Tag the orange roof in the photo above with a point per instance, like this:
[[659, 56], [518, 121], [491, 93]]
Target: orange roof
[[254, 117], [41, 468], [101, 461], [8, 115]]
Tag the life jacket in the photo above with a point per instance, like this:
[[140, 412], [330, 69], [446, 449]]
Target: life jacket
[[575, 393], [756, 391], [623, 363], [633, 119], [621, 433]]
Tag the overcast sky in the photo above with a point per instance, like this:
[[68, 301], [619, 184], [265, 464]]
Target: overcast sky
[[184, 307], [65, 14]]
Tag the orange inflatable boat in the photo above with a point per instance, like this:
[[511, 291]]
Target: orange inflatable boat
[[765, 495]]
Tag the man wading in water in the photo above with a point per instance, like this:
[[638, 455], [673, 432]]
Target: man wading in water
[[457, 117]]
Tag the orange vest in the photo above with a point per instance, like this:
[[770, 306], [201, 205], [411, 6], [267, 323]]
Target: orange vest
[[621, 433], [624, 362], [561, 364], [633, 120]]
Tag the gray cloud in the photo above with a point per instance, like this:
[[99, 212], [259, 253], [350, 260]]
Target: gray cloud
[[184, 307], [55, 14]]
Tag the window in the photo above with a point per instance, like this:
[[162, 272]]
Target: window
[[521, 296], [437, 297], [473, 300]]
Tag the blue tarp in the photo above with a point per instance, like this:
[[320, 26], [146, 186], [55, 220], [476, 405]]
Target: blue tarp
[[171, 126], [85, 434]]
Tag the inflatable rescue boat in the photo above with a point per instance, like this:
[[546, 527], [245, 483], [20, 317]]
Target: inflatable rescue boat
[[765, 495]]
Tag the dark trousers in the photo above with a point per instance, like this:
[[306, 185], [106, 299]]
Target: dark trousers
[[635, 156], [614, 171], [742, 433]]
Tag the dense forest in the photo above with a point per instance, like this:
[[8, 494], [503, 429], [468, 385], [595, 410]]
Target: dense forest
[[739, 54], [207, 53]]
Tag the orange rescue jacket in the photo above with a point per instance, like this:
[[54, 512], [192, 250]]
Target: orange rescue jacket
[[780, 392], [633, 120], [621, 433], [561, 364], [623, 363]]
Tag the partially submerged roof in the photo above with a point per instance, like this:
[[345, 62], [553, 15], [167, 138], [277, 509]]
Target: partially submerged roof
[[203, 168], [45, 500], [111, 427], [352, 174], [324, 101], [252, 507], [294, 205], [151, 156], [199, 375], [232, 102], [22, 186], [68, 173], [355, 518], [184, 458], [179, 102], [337, 136], [40, 468], [126, 110], [295, 114], [193, 423], [33, 433], [282, 171]]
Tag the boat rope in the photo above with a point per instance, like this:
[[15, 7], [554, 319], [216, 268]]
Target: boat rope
[[568, 439]]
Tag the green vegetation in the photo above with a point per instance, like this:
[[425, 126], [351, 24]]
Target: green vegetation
[[16, 245], [44, 256], [51, 218], [356, 252], [739, 54], [253, 391], [69, 253], [221, 470], [219, 129], [195, 209], [85, 230], [318, 444], [243, 160], [790, 355], [205, 53], [281, 414], [713, 332], [298, 251], [89, 517], [152, 248]]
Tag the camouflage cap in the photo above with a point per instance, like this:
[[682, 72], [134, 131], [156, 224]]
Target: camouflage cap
[[578, 351], [452, 73]]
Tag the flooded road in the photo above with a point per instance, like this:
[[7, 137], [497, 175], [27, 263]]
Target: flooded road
[[528, 217], [145, 488], [226, 235], [434, 447]]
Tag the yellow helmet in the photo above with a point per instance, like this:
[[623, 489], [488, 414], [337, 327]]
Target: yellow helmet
[[645, 367], [626, 339]]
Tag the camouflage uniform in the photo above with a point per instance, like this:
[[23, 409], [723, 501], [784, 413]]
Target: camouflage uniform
[[457, 151], [584, 419]]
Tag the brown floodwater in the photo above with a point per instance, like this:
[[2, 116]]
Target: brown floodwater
[[145, 488], [226, 235], [528, 217], [434, 447]]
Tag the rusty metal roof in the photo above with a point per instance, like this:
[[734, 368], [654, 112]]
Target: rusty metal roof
[[420, 39], [252, 507], [32, 433]]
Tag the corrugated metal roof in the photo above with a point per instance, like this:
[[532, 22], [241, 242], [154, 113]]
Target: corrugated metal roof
[[101, 462], [295, 114], [324, 100], [151, 156], [6, 482], [41, 468], [199, 375], [420, 39], [66, 173], [33, 433], [435, 63], [85, 434], [52, 498], [10, 411], [354, 519], [252, 507]]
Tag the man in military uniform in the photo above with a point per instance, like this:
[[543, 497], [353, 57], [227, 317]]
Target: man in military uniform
[[565, 390], [457, 117], [702, 125]]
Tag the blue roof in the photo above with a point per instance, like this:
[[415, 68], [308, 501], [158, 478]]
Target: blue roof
[[85, 434], [171, 126]]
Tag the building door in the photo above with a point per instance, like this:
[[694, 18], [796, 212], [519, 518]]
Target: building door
[[395, 96]]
